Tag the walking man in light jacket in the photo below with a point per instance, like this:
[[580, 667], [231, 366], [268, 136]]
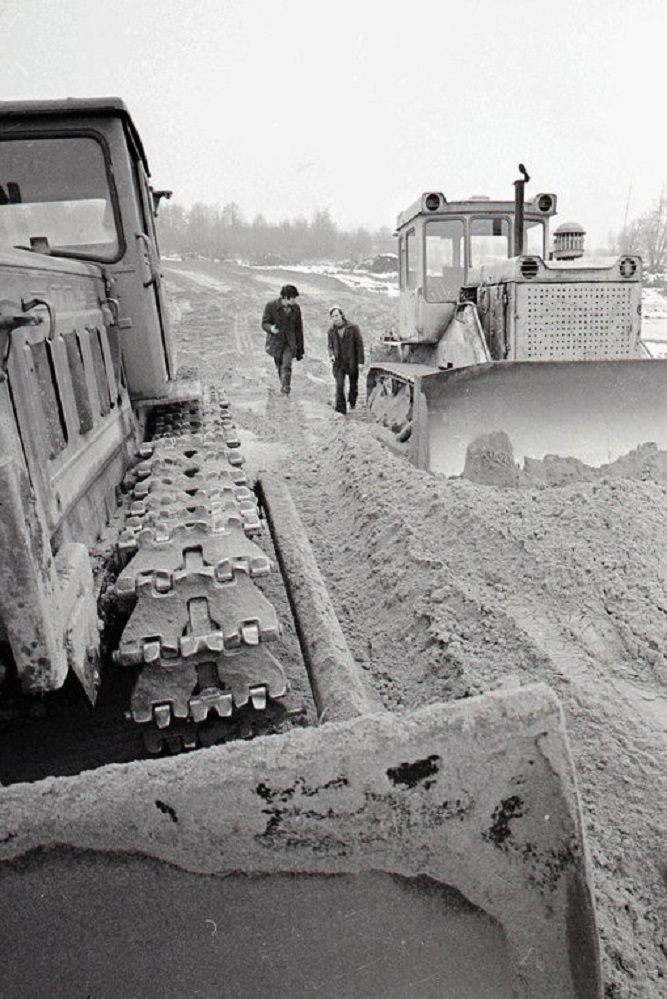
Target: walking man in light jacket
[[346, 350]]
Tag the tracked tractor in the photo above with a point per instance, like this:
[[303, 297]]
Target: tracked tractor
[[85, 352], [91, 408], [470, 807], [498, 333]]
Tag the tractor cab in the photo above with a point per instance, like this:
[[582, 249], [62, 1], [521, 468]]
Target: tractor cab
[[441, 241], [75, 185]]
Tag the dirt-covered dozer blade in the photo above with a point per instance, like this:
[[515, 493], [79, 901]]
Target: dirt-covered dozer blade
[[595, 411], [436, 852], [459, 823]]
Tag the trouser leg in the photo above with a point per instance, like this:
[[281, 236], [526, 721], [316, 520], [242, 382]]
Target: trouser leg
[[354, 389], [340, 391], [284, 366], [286, 372]]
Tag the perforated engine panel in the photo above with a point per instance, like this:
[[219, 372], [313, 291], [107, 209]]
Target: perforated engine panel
[[577, 321]]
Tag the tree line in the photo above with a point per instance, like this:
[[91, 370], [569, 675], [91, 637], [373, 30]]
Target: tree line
[[647, 236], [222, 233]]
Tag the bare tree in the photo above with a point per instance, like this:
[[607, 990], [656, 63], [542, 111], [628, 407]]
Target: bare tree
[[647, 236], [215, 232]]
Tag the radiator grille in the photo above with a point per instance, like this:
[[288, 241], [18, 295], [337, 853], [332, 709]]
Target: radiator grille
[[583, 321]]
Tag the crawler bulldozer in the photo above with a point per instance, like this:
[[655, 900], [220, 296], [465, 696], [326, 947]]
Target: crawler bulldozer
[[500, 334], [471, 807]]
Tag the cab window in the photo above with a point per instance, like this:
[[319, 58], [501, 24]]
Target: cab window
[[411, 272], [445, 259], [57, 188], [534, 238]]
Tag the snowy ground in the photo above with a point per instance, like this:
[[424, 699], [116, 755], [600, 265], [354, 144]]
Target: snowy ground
[[654, 321], [357, 279], [446, 588]]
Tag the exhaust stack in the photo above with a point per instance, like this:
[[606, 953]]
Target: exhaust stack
[[518, 210]]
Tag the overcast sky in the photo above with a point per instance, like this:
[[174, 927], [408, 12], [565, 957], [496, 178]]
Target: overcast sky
[[290, 106]]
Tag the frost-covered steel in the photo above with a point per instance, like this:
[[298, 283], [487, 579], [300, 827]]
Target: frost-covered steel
[[72, 411], [67, 429], [64, 428]]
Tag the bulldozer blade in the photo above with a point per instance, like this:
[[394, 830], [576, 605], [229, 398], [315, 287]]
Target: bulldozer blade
[[461, 819], [595, 411]]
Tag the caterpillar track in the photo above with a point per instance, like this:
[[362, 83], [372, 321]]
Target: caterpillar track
[[198, 626]]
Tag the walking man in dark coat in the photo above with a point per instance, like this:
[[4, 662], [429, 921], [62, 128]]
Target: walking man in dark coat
[[283, 326], [346, 350]]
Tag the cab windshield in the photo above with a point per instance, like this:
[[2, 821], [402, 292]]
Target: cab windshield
[[58, 189], [490, 239]]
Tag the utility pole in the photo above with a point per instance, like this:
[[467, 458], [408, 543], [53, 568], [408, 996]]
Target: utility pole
[[627, 209]]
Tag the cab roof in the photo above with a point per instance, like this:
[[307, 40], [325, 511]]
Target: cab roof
[[77, 107], [434, 204]]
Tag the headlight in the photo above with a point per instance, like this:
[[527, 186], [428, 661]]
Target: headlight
[[627, 267]]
